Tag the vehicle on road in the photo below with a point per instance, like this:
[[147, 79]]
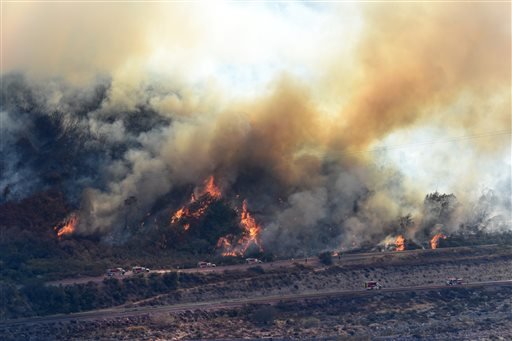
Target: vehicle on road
[[253, 261], [371, 285], [205, 265], [115, 271], [454, 281], [139, 269]]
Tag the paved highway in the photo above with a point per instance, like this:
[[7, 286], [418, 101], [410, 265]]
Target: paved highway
[[123, 311]]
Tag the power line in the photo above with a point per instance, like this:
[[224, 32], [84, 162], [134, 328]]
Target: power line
[[431, 142]]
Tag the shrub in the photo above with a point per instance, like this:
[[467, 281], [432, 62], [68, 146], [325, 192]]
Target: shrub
[[256, 269], [310, 322], [325, 258], [170, 280], [264, 316]]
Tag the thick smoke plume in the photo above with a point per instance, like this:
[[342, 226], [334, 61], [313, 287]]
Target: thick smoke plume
[[304, 158]]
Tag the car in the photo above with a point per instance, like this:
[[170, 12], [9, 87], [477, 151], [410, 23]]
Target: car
[[371, 285], [206, 265], [115, 271], [139, 269], [253, 261], [454, 281]]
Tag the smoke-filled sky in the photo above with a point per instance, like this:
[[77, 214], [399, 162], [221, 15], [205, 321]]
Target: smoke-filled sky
[[349, 113]]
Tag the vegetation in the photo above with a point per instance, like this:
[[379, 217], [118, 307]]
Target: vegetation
[[325, 258], [31, 254], [39, 299], [30, 249], [263, 316]]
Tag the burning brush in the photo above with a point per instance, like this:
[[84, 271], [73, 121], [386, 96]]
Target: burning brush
[[196, 208], [400, 243], [250, 236], [67, 226], [434, 242]]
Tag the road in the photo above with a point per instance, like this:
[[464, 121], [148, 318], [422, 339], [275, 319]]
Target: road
[[123, 311], [270, 265], [311, 261]]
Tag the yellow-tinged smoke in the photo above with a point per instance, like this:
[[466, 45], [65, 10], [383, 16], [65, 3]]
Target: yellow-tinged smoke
[[282, 89], [416, 60], [408, 62]]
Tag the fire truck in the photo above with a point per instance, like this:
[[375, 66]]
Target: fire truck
[[371, 285], [139, 269], [454, 281], [115, 271]]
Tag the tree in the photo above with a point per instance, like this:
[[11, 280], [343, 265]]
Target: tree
[[405, 222], [325, 258]]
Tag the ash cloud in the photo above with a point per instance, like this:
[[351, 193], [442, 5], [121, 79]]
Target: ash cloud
[[417, 59], [139, 134]]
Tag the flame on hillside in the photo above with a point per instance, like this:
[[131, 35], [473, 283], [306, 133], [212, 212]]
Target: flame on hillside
[[183, 211], [209, 193], [225, 244], [197, 207], [434, 242], [210, 188], [250, 236], [67, 226], [400, 243]]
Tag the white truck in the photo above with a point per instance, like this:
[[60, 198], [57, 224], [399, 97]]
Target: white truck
[[139, 269], [253, 261], [371, 285], [115, 271], [454, 281], [205, 265]]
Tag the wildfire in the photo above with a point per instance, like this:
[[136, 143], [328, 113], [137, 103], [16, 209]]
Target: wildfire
[[434, 242], [67, 226], [179, 214], [224, 243], [211, 189], [400, 243], [209, 193], [249, 224], [199, 202], [251, 235]]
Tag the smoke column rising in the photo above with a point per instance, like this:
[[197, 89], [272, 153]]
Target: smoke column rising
[[283, 103]]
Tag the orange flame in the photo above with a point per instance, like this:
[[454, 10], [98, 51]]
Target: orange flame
[[67, 226], [207, 195], [251, 235], [179, 214], [249, 224], [400, 243], [225, 244], [434, 242], [210, 188]]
